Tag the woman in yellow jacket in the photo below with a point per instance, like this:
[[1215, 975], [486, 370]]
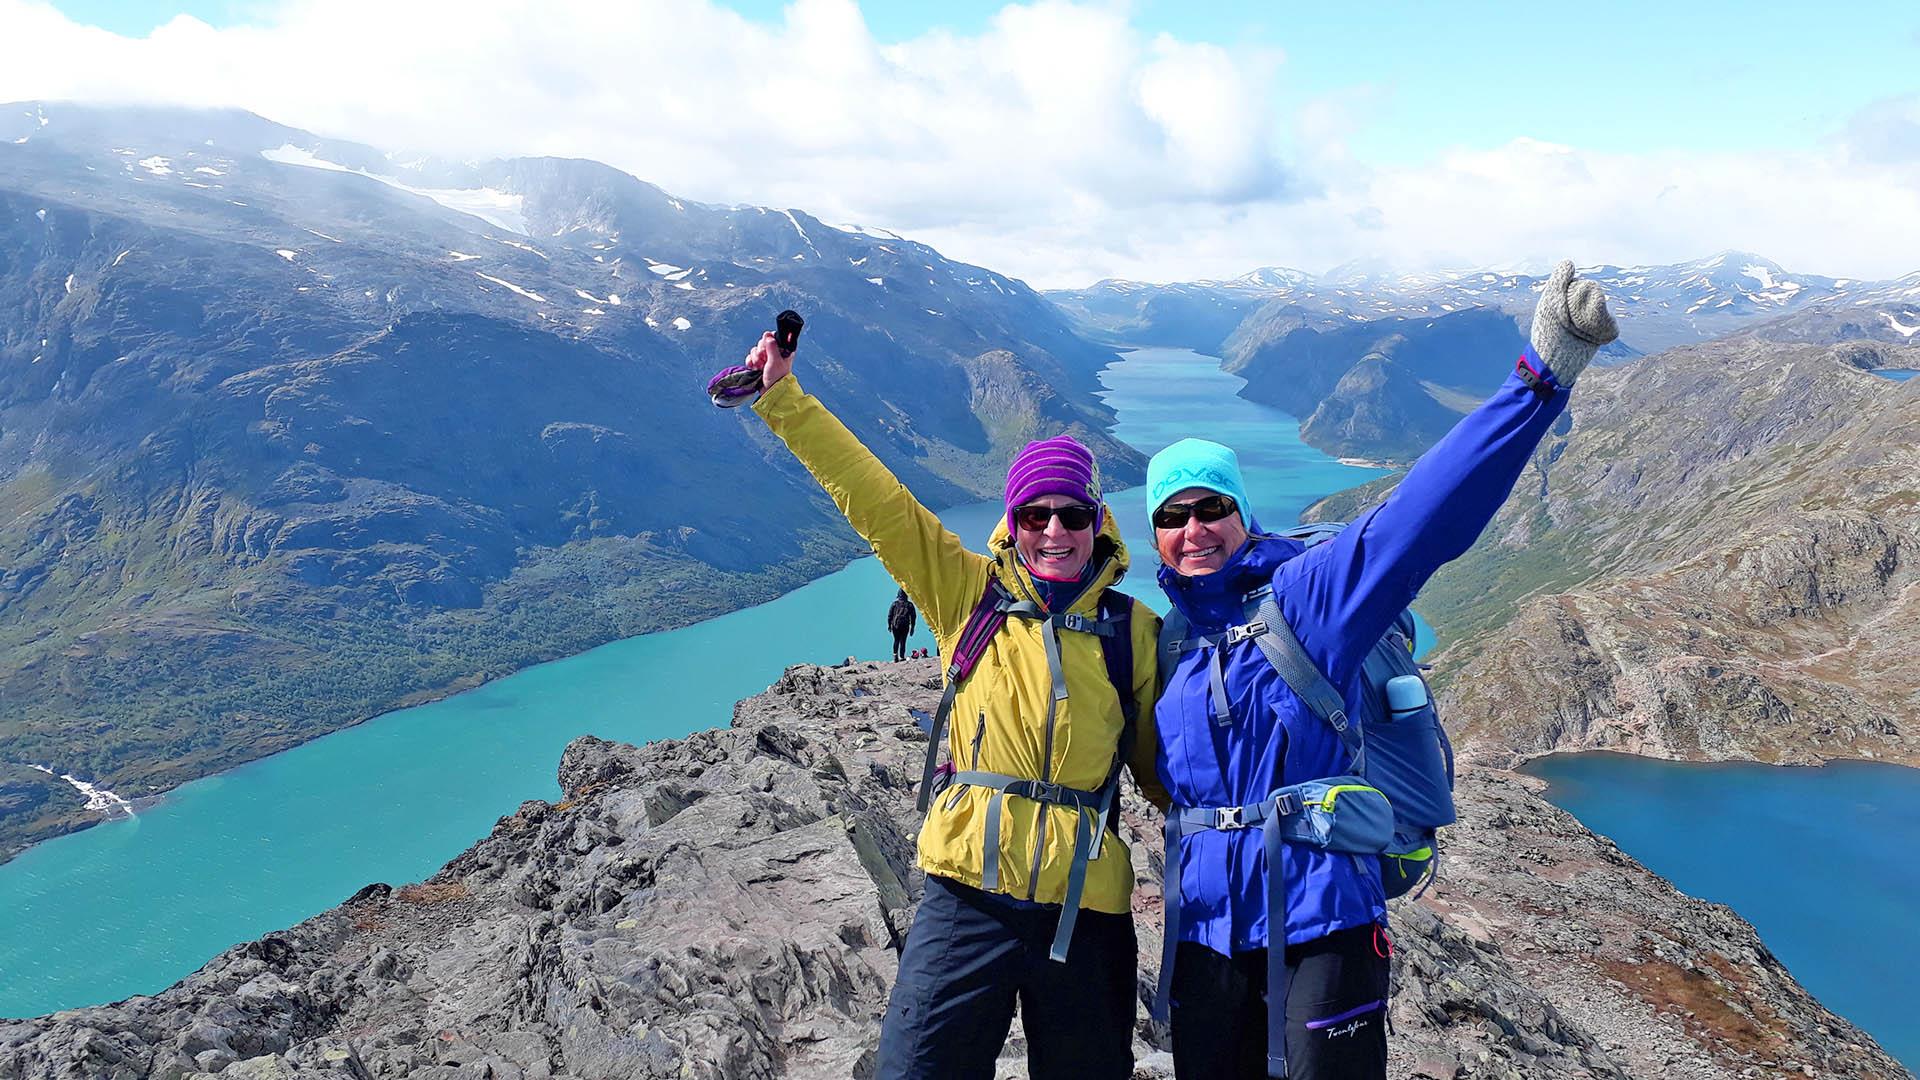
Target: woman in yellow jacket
[[1035, 737]]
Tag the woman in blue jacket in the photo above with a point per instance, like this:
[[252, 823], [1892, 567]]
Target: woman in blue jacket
[[1231, 731]]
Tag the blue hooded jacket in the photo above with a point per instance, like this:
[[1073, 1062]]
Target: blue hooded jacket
[[1339, 596]]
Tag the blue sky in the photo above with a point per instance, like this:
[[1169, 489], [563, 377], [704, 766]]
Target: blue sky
[[1422, 77], [1065, 141]]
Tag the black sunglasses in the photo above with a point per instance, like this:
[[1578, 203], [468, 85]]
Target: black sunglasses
[[1073, 517], [1211, 508]]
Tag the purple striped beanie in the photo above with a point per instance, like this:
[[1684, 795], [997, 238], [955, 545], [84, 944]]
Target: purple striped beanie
[[1056, 466]]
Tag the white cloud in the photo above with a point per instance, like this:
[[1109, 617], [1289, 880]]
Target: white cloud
[[1060, 143]]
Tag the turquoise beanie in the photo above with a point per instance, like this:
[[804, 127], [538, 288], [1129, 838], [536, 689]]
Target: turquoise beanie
[[1196, 463]]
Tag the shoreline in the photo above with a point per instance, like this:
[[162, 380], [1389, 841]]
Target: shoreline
[[426, 696], [1519, 762], [429, 695]]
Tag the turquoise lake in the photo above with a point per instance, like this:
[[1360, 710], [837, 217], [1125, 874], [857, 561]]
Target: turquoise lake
[[1898, 374], [131, 906], [1817, 859]]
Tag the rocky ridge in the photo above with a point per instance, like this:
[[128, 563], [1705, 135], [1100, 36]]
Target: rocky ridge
[[730, 905], [1756, 599]]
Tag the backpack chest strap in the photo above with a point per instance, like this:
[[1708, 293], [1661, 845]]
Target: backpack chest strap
[[1216, 674]]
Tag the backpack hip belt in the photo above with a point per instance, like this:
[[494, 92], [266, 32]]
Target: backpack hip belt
[[1337, 814], [1092, 807]]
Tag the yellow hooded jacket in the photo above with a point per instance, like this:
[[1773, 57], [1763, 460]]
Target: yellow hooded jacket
[[999, 721]]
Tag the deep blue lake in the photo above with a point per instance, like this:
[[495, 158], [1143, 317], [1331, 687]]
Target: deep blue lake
[[131, 906], [1898, 374], [1819, 860]]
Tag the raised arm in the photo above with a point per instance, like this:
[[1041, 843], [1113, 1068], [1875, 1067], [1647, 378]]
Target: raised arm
[[941, 576], [1343, 594]]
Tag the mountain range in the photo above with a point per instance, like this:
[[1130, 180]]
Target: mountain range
[[1378, 364], [293, 431], [1658, 306]]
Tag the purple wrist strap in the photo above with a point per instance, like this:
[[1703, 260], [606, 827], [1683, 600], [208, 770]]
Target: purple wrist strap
[[734, 387]]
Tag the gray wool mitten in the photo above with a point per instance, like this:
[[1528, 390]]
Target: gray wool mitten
[[1570, 323]]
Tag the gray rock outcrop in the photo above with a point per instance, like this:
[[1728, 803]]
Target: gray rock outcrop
[[730, 905]]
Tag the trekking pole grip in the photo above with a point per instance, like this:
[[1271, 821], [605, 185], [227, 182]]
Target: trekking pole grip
[[786, 334]]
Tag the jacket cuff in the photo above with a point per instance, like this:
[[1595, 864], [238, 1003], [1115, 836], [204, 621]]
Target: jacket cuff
[[1534, 374], [779, 399]]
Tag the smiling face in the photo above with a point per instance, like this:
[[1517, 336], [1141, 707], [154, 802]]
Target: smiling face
[[1199, 547], [1055, 551]]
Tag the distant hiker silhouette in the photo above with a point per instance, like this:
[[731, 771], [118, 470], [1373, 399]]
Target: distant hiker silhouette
[[900, 619]]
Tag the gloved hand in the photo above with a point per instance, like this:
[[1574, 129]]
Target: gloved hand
[[1570, 323]]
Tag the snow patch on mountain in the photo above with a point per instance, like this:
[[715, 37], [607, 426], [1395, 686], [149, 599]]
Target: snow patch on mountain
[[497, 208], [534, 296], [801, 231], [868, 230]]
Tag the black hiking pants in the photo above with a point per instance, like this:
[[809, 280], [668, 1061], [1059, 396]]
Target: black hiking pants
[[969, 958], [1336, 1010], [900, 644]]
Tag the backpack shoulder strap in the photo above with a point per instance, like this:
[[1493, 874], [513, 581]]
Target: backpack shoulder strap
[[1173, 629], [1282, 648], [1116, 611], [988, 616]]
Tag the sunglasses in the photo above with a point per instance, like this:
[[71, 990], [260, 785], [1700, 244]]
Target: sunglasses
[[1073, 518], [1175, 515]]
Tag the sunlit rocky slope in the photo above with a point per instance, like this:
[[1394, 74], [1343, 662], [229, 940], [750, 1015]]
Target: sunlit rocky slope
[[1714, 557]]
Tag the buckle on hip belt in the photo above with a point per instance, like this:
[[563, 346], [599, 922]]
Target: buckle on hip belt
[[1228, 817], [1042, 791]]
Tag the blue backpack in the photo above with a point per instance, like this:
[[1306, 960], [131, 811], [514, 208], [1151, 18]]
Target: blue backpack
[[1394, 735], [1398, 791]]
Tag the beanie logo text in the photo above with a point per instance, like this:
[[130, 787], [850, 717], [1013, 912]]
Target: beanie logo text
[[1191, 476]]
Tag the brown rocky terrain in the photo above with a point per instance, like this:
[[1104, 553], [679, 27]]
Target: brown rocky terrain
[[730, 905], [1716, 557]]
